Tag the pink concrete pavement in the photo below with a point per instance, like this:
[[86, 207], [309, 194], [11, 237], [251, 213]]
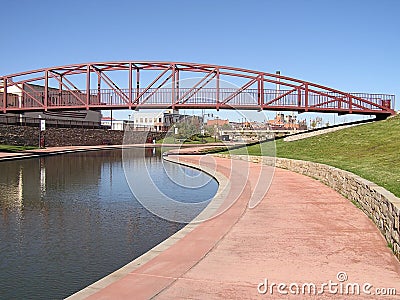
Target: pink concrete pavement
[[302, 232]]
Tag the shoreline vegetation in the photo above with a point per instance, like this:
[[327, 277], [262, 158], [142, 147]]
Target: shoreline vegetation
[[371, 151], [13, 149]]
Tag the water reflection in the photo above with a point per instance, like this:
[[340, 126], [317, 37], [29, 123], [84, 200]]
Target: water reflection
[[42, 177], [168, 195], [69, 220]]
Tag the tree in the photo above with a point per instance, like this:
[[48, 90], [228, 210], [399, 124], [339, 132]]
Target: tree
[[313, 124], [188, 128], [226, 127], [210, 129]]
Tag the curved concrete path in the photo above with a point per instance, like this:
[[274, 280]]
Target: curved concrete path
[[302, 232]]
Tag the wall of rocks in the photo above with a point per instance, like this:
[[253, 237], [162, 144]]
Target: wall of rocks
[[380, 205], [55, 137]]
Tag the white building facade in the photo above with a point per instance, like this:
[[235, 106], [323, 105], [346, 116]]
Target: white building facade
[[113, 124], [155, 121]]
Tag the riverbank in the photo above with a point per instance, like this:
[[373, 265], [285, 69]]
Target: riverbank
[[52, 151], [32, 153], [294, 235]]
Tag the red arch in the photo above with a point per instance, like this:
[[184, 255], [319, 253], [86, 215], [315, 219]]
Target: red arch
[[57, 89]]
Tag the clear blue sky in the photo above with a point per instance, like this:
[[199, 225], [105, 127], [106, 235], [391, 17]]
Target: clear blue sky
[[349, 45]]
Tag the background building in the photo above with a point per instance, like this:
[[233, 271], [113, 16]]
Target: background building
[[282, 121], [217, 122], [159, 121], [113, 124]]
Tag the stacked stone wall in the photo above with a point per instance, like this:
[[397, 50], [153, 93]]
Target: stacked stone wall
[[57, 137]]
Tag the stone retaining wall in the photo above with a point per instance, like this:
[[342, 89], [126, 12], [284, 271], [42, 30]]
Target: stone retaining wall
[[55, 137], [380, 205]]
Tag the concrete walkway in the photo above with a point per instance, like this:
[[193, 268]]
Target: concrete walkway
[[302, 232]]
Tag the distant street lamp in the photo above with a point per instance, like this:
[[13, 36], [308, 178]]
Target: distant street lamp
[[215, 135], [278, 86], [202, 123], [175, 132], [40, 130]]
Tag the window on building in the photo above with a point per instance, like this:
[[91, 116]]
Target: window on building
[[159, 120], [141, 120], [145, 120]]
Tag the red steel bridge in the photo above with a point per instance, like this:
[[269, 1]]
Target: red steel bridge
[[176, 85]]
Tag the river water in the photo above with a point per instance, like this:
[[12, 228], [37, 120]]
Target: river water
[[69, 220]]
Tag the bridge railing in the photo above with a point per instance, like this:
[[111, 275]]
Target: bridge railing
[[298, 98], [56, 123]]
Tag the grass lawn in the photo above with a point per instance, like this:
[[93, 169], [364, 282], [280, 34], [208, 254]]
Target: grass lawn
[[11, 148], [371, 151]]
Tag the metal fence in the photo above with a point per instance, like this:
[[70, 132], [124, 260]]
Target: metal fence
[[54, 123], [62, 123]]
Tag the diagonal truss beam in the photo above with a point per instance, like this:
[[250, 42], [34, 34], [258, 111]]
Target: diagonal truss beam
[[280, 97], [240, 90], [112, 85], [194, 89], [73, 93], [158, 88], [151, 84], [23, 92]]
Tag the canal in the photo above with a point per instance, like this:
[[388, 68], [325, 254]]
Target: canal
[[68, 220]]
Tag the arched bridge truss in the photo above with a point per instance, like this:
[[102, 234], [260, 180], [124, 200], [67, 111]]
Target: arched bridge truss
[[177, 85]]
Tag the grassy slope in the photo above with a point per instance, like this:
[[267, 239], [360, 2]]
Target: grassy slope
[[10, 148], [371, 151]]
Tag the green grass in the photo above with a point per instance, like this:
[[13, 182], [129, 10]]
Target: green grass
[[371, 151], [390, 246], [213, 150], [356, 204], [11, 148]]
